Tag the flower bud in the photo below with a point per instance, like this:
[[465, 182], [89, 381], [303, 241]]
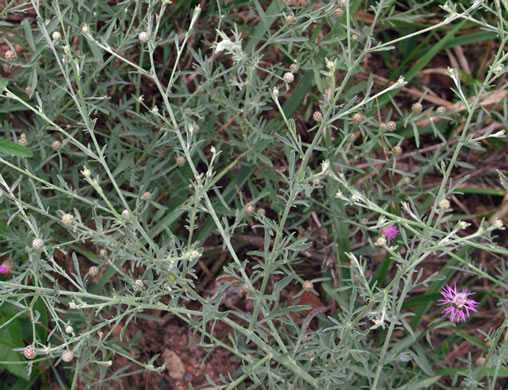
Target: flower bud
[[67, 219], [93, 270], [180, 160], [356, 119], [10, 55], [290, 19], [294, 67], [86, 172], [37, 243], [444, 204], [249, 210], [30, 352], [307, 285], [463, 224], [5, 268], [391, 125], [289, 77], [416, 108], [67, 356], [147, 196], [397, 150], [143, 36], [498, 224], [480, 361], [56, 36], [68, 329], [22, 139], [56, 145], [317, 116]]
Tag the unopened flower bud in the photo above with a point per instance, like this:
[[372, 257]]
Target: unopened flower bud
[[356, 119], [147, 196], [416, 108], [289, 77], [86, 172], [56, 36], [441, 110], [56, 145], [143, 36], [290, 19], [391, 125], [444, 204], [37, 243], [125, 214], [180, 160], [68, 329], [317, 116], [381, 241], [294, 67], [30, 352], [400, 82], [261, 211], [67, 356], [139, 283], [93, 271], [10, 55], [85, 29], [67, 219], [498, 224], [307, 285], [397, 150], [338, 12], [5, 267], [480, 361], [250, 210]]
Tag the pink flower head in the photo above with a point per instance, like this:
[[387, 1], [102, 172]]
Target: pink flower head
[[390, 233], [458, 301], [4, 269]]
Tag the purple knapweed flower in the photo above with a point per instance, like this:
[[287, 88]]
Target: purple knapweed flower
[[458, 301], [390, 233], [4, 269]]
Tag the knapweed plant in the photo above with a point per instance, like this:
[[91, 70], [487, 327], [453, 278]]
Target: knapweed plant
[[304, 194]]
